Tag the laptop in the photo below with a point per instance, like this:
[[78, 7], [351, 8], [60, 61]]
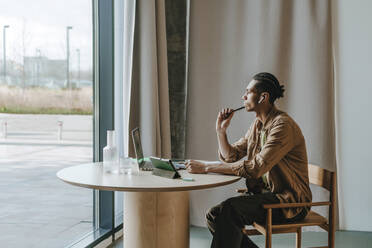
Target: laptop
[[147, 165]]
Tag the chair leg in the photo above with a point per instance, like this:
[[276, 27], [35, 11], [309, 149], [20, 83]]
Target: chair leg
[[268, 240], [298, 237], [331, 238], [268, 228]]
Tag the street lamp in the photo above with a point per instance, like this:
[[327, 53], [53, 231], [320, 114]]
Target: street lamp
[[68, 28], [38, 59], [4, 51], [78, 55]]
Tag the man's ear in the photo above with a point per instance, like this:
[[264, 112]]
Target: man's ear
[[263, 97]]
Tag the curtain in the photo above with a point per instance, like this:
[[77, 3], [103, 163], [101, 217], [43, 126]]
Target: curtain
[[146, 86], [230, 41], [124, 17], [124, 36], [149, 100]]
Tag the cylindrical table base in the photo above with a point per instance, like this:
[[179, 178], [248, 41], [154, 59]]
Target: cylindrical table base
[[156, 219]]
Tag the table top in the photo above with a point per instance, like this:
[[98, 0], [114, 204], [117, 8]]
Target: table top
[[92, 176]]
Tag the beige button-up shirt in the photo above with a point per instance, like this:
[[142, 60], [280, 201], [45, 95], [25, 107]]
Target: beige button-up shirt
[[282, 159]]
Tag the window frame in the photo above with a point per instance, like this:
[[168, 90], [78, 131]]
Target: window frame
[[104, 229]]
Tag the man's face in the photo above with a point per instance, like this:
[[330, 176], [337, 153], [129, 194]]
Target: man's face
[[250, 96]]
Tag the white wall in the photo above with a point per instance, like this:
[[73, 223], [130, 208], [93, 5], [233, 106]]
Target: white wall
[[353, 56]]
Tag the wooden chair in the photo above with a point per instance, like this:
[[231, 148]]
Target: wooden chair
[[318, 176]]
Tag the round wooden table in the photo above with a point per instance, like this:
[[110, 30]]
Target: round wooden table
[[156, 209]]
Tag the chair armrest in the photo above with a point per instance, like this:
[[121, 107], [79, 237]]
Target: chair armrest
[[296, 205]]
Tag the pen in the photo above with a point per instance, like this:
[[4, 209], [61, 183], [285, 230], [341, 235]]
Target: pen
[[188, 179], [238, 109], [234, 110]]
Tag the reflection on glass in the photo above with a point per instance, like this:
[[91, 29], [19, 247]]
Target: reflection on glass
[[46, 120]]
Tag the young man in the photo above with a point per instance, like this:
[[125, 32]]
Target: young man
[[275, 168]]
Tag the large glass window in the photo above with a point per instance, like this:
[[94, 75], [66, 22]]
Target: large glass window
[[46, 118]]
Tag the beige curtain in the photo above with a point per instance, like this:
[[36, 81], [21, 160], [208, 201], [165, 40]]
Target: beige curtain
[[230, 41], [149, 108]]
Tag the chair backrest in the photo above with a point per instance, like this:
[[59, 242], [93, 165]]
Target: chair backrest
[[326, 179], [322, 177]]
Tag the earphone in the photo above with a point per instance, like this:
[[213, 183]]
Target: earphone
[[262, 98]]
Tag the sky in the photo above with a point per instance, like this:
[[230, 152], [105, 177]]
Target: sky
[[41, 24]]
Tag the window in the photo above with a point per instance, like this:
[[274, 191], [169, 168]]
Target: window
[[46, 118]]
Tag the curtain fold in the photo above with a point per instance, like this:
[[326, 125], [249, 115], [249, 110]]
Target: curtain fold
[[124, 36], [149, 104], [124, 17], [149, 110]]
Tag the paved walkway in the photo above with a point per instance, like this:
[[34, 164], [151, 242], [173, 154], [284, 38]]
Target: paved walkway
[[36, 208]]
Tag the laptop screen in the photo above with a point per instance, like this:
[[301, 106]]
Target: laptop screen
[[137, 145]]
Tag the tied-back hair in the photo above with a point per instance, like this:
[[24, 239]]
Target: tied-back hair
[[267, 82]]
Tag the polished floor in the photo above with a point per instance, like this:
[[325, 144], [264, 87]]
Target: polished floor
[[34, 203], [201, 238]]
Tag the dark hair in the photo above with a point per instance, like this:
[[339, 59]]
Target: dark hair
[[267, 82]]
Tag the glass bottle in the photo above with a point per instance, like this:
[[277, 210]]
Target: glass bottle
[[110, 154]]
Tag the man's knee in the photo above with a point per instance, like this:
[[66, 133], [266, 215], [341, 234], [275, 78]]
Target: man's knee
[[242, 210]]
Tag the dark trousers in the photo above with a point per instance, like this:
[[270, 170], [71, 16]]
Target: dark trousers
[[226, 220]]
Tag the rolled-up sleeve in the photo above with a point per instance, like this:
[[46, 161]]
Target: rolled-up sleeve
[[280, 140]]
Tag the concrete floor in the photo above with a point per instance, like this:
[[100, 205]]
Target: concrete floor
[[201, 238], [36, 208]]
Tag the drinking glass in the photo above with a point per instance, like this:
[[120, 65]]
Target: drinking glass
[[127, 165]]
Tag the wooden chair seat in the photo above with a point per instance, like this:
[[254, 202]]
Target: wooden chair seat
[[318, 176], [312, 219]]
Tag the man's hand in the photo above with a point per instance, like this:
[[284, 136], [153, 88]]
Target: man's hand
[[196, 166], [223, 120]]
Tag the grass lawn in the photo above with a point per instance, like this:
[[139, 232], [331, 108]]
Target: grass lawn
[[16, 100]]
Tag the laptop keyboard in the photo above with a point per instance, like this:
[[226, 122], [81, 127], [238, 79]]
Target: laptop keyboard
[[147, 166]]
